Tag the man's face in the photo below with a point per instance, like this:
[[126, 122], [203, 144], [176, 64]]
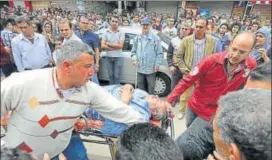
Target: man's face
[[184, 31], [238, 51], [188, 15], [114, 22], [83, 24], [81, 70], [26, 29], [221, 147], [136, 19], [200, 27], [65, 30], [91, 25], [254, 28], [145, 28], [171, 22], [47, 28], [223, 29]]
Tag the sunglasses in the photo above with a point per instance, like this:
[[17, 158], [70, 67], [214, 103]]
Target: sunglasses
[[84, 23]]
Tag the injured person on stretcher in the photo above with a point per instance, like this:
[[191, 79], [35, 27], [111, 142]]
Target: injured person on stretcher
[[151, 107]]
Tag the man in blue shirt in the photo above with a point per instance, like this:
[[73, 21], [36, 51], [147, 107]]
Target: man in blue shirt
[[30, 50], [92, 40]]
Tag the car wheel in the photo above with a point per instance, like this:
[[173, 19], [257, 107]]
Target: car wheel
[[162, 85]]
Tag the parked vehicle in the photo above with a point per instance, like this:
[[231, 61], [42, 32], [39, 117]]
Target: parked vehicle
[[163, 77]]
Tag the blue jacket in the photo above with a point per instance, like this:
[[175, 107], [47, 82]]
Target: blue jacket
[[148, 53], [221, 43]]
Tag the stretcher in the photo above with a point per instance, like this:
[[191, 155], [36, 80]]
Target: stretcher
[[166, 124]]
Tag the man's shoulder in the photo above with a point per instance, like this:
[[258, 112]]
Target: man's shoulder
[[187, 38], [17, 38]]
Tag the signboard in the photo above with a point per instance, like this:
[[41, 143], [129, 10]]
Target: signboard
[[205, 12], [238, 11]]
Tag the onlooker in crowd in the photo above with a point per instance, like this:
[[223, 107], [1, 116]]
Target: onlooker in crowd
[[214, 76], [69, 83], [268, 25], [189, 18], [66, 31], [157, 26], [147, 56], [184, 31], [92, 40], [112, 42], [241, 137], [91, 25], [30, 50], [170, 29], [222, 40], [135, 22], [262, 50], [234, 31], [49, 35], [247, 25], [7, 34], [201, 144], [192, 50], [146, 142], [255, 27]]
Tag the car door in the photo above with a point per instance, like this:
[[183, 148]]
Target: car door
[[128, 70]]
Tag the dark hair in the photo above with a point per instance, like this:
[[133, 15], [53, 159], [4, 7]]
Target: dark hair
[[25, 19], [203, 18], [146, 142], [244, 119], [261, 73], [236, 24], [116, 17], [14, 154]]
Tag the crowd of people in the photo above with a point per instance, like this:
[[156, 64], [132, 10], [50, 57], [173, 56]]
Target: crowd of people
[[220, 66]]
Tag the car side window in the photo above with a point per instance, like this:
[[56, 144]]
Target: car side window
[[128, 37]]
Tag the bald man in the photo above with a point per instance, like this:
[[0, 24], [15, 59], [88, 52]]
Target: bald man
[[214, 76]]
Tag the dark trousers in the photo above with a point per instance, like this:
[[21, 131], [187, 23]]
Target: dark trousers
[[146, 82], [8, 69], [176, 76]]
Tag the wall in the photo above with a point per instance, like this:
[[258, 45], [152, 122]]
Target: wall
[[220, 7], [162, 6], [265, 10]]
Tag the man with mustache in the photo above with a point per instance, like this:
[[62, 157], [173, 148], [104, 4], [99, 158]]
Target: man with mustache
[[214, 76]]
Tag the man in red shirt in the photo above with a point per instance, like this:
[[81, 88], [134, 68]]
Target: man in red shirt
[[213, 77]]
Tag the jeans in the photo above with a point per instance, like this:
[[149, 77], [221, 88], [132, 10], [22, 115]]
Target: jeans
[[148, 80], [176, 76], [191, 141], [114, 65], [75, 150]]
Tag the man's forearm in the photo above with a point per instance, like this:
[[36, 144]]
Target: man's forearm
[[115, 46]]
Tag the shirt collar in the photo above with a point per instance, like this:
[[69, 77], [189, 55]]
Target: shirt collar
[[109, 30], [24, 38], [205, 37]]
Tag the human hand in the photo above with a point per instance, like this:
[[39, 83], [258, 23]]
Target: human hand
[[135, 63], [263, 53], [156, 68], [172, 69], [8, 50], [61, 157]]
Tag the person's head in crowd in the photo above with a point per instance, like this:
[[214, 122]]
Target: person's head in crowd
[[188, 14], [248, 22], [44, 16], [268, 22], [83, 24], [158, 20], [14, 154], [255, 26], [242, 125], [146, 25], [10, 24], [26, 26], [136, 18], [185, 30], [260, 77], [153, 21], [146, 142], [263, 38], [58, 41], [114, 21], [223, 28], [241, 47], [200, 27], [48, 28], [170, 22], [74, 64], [91, 25], [65, 27], [235, 28]]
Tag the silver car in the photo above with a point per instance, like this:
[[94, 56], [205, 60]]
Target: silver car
[[163, 77]]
